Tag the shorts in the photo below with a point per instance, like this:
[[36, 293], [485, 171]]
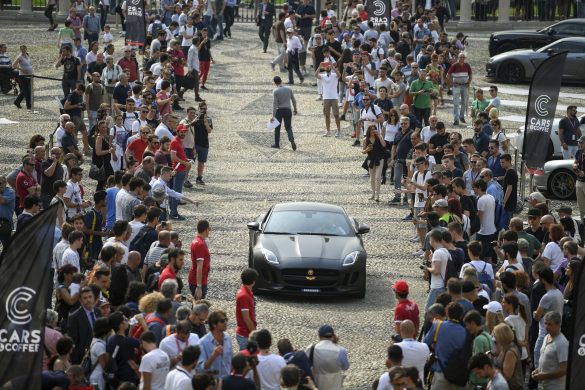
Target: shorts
[[189, 153], [305, 32], [329, 104], [201, 153], [79, 125], [417, 211]]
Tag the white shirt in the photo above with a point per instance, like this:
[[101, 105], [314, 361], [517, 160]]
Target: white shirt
[[70, 257], [442, 256], [59, 133], [478, 265], [518, 325], [384, 382], [189, 32], [136, 226], [553, 252], [73, 193], [162, 130], [268, 368], [138, 123], [329, 83], [157, 363], [179, 379], [293, 43], [288, 23], [58, 252], [173, 346], [415, 354], [111, 241], [487, 204], [391, 131], [420, 179], [426, 133]]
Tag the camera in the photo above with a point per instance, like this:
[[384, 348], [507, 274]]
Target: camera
[[494, 244], [110, 81]]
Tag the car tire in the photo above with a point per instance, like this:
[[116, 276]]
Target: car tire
[[504, 47], [511, 72], [561, 184], [362, 293]]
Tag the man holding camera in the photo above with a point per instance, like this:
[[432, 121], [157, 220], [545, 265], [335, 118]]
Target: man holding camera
[[74, 106], [203, 126], [329, 76]]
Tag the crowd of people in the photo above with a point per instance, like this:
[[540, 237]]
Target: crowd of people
[[498, 312]]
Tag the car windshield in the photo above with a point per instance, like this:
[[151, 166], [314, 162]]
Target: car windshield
[[322, 223]]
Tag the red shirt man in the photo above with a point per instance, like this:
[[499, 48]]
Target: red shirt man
[[176, 261], [200, 261], [245, 307], [138, 146], [127, 63], [404, 309], [25, 181], [180, 161]]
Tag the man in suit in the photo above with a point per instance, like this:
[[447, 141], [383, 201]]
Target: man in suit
[[265, 19], [80, 324]]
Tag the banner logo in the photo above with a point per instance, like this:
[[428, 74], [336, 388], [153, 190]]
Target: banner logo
[[17, 308], [380, 7], [540, 105]]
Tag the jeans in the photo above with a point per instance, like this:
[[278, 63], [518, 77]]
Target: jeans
[[210, 26], [293, 64], [279, 59], [460, 97], [219, 22], [49, 13], [242, 341], [25, 90], [92, 118], [104, 10], [399, 168], [68, 86], [92, 37], [538, 347], [486, 250], [283, 114], [178, 181], [581, 10], [433, 294], [264, 34], [423, 114]]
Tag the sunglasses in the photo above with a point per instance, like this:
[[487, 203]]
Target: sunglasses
[[145, 133], [474, 162], [481, 177], [223, 320]]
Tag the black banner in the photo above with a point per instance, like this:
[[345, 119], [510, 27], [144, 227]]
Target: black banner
[[576, 363], [135, 25], [24, 284], [540, 113], [378, 11]]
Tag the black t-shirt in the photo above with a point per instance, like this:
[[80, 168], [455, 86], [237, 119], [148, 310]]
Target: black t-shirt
[[125, 353], [305, 10], [511, 178], [70, 65], [319, 57], [47, 182], [569, 125], [74, 98], [457, 172], [236, 382], [67, 141], [201, 136], [205, 52], [439, 140], [335, 45], [95, 67], [539, 234], [463, 246]]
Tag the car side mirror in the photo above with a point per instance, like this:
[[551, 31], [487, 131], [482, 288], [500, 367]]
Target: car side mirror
[[255, 226], [550, 52], [551, 32], [363, 228]]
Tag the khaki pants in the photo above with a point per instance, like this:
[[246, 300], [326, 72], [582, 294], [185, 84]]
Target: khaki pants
[[375, 179], [440, 383], [580, 190]]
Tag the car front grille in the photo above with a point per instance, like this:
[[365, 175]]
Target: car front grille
[[307, 277]]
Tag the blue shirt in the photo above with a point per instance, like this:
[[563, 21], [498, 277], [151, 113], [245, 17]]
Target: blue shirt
[[495, 164], [481, 142], [111, 207], [222, 364], [7, 209], [495, 190], [451, 337]]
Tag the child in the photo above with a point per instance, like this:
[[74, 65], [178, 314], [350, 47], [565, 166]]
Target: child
[[405, 309], [107, 36]]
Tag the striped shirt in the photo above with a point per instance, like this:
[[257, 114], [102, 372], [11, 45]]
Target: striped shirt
[[153, 255]]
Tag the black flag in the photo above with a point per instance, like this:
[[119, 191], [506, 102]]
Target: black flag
[[576, 363], [24, 285], [135, 26], [378, 11], [540, 113]]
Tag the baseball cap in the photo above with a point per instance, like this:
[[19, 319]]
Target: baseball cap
[[537, 196], [400, 286], [533, 212], [181, 128], [326, 331], [493, 307], [581, 139], [289, 30], [565, 210], [442, 203]]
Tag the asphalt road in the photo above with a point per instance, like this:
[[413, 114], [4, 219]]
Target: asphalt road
[[245, 176]]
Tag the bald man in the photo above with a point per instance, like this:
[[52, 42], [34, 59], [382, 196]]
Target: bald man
[[133, 267], [415, 353], [122, 275]]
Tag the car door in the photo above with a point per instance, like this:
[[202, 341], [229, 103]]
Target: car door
[[575, 62]]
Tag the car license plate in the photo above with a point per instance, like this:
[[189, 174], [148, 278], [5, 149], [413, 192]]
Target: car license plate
[[310, 290]]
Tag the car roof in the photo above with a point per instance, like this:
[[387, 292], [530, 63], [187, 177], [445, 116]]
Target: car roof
[[572, 39], [308, 206]]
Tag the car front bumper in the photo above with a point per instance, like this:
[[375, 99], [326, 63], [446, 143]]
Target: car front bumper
[[540, 182], [490, 70]]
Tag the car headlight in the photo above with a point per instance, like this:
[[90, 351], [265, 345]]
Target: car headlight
[[351, 258], [270, 256]]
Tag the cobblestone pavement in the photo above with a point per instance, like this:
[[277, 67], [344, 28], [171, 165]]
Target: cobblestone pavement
[[245, 176]]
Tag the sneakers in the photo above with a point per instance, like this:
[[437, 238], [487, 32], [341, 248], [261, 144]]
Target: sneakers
[[413, 239], [342, 117], [203, 87], [273, 66], [177, 217], [318, 98], [338, 134], [327, 134], [408, 218], [462, 119], [200, 181], [356, 143], [188, 184], [293, 145], [419, 252], [275, 146], [395, 200], [455, 123], [198, 99]]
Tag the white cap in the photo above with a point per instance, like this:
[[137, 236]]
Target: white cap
[[494, 307]]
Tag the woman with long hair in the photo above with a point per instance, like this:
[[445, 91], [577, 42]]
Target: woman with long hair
[[508, 356], [65, 302], [389, 130], [374, 146], [517, 320], [436, 74], [103, 152]]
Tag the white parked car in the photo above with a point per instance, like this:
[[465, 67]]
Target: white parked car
[[554, 144]]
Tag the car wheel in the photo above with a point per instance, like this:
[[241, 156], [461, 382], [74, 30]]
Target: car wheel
[[511, 72], [506, 47], [561, 184], [362, 293]]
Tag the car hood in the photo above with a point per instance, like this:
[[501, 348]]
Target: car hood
[[523, 53], [515, 33], [309, 246]]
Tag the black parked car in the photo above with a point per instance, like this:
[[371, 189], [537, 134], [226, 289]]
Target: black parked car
[[503, 41], [304, 248]]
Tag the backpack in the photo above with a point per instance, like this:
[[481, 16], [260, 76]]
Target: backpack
[[124, 119], [450, 270], [110, 371], [156, 27], [137, 330], [456, 371], [500, 217], [86, 363], [140, 242], [152, 282], [484, 278]]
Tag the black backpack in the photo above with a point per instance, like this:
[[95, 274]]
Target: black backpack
[[450, 270], [456, 370], [140, 243]]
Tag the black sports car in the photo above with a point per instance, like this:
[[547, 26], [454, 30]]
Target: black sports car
[[304, 248], [503, 41]]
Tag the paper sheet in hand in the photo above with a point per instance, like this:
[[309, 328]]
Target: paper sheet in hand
[[272, 124]]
